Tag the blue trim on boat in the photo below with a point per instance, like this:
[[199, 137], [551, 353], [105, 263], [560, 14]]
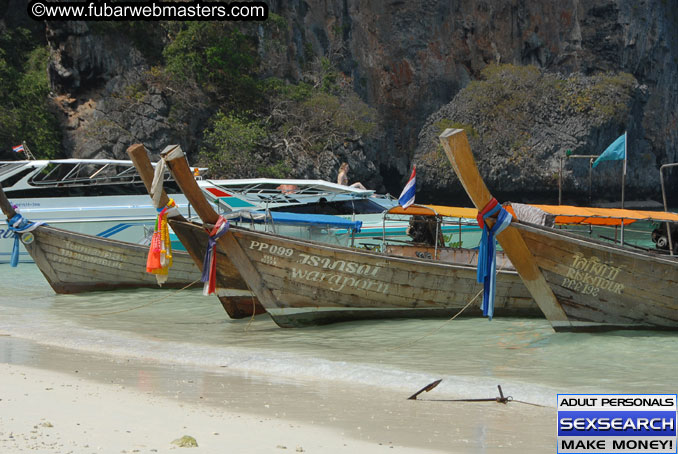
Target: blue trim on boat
[[113, 230], [235, 202]]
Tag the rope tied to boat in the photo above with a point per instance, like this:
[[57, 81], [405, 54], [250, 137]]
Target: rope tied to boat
[[487, 257], [157, 189], [19, 225], [159, 259], [209, 266], [157, 183]]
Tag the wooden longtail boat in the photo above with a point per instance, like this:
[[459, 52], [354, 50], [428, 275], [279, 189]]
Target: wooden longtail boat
[[430, 220], [75, 262], [303, 282], [579, 283], [238, 301]]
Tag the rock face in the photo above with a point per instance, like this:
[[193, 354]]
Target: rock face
[[407, 59], [106, 94], [521, 123]]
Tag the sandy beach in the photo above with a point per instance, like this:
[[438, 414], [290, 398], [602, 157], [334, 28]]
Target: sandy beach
[[71, 382], [125, 408], [44, 411]]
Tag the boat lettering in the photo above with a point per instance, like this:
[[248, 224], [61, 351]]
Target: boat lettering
[[27, 204], [269, 259], [258, 246], [339, 265], [118, 264], [339, 282], [313, 260], [299, 274], [6, 233], [281, 251], [272, 248], [595, 266], [590, 275], [107, 255]]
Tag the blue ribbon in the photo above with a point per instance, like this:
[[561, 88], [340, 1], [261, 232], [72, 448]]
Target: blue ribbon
[[214, 236], [487, 258], [17, 225]]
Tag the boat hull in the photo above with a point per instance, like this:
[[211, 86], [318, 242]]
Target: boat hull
[[306, 283], [75, 263], [122, 218], [458, 256], [236, 298], [603, 287]]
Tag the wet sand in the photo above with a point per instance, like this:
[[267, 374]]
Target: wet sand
[[60, 401]]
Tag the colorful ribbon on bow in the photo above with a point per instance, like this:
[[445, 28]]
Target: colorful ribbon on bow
[[209, 266], [159, 258], [19, 225], [487, 259]]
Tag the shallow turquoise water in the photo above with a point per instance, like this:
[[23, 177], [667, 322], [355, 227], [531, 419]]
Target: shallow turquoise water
[[472, 355]]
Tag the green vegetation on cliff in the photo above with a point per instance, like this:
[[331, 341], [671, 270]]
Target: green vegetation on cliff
[[509, 96], [218, 58], [24, 95], [510, 105], [520, 120], [260, 124]]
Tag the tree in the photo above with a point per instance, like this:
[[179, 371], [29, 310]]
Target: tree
[[24, 95]]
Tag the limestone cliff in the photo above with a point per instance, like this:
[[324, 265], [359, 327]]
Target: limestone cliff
[[407, 59], [410, 58]]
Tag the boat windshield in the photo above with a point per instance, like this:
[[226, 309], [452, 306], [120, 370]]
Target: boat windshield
[[75, 174], [9, 167], [69, 178]]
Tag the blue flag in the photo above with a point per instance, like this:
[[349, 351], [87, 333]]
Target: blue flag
[[615, 152]]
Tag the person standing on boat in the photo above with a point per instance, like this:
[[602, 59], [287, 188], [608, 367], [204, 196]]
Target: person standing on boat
[[342, 177]]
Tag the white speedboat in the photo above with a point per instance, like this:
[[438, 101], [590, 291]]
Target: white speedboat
[[319, 197], [293, 195], [107, 198], [306, 197], [101, 197]]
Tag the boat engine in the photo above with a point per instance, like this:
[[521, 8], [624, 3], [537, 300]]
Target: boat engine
[[661, 239]]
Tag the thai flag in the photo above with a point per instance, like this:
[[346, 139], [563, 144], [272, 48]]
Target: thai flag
[[18, 149], [407, 196]]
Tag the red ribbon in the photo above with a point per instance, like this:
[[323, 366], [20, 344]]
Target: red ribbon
[[481, 214], [209, 268]]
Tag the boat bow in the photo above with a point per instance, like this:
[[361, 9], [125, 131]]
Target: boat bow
[[456, 147]]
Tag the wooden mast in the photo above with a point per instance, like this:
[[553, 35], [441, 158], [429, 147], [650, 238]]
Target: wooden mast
[[186, 181], [6, 207], [176, 160], [456, 147], [139, 157], [236, 307]]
